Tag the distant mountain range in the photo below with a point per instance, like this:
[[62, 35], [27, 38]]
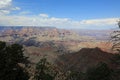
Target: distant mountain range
[[97, 34]]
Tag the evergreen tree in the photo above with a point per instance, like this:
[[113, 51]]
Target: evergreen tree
[[45, 70], [75, 75], [100, 72], [10, 58]]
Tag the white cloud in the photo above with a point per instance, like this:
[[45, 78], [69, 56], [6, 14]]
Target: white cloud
[[108, 21], [15, 8], [45, 20], [2, 12], [24, 13], [5, 3], [6, 7], [44, 15]]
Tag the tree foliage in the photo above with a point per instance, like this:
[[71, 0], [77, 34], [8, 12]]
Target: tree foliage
[[115, 39], [10, 58], [75, 75], [99, 72], [45, 70]]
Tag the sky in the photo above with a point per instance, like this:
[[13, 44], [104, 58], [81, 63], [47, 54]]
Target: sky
[[76, 14]]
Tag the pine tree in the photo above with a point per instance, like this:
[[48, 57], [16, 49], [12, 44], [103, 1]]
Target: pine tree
[[44, 70], [99, 72], [10, 57]]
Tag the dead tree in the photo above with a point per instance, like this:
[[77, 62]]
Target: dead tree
[[115, 38]]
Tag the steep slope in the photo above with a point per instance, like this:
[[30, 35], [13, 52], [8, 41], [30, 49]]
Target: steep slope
[[83, 59]]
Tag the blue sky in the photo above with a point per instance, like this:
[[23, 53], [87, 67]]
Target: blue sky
[[95, 14]]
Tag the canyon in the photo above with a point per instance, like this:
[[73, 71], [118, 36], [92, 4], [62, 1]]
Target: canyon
[[52, 42]]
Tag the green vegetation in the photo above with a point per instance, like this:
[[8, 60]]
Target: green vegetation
[[44, 70], [99, 72], [75, 75], [10, 59]]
